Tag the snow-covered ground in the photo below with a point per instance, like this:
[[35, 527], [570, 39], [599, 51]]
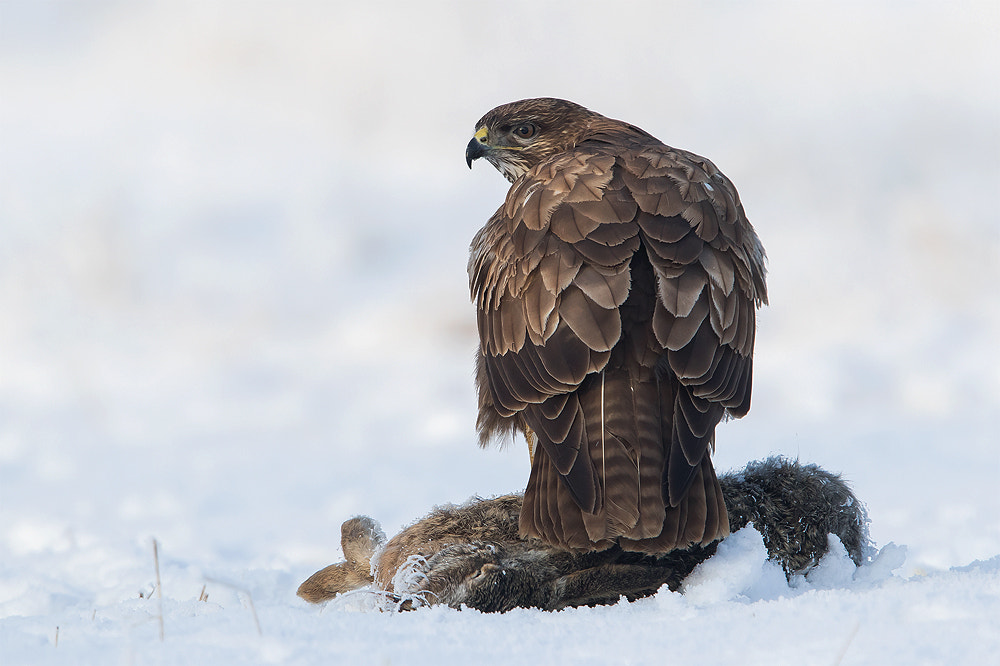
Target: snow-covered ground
[[233, 313]]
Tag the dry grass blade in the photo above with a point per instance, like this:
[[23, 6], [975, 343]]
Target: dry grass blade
[[159, 588], [847, 644]]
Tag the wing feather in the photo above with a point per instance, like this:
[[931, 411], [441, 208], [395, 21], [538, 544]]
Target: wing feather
[[599, 328], [567, 358], [559, 267], [539, 306], [606, 290]]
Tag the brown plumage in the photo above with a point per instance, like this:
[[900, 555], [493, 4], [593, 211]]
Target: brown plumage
[[616, 291]]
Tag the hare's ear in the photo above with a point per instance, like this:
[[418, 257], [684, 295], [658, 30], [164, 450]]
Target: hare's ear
[[360, 538], [327, 583]]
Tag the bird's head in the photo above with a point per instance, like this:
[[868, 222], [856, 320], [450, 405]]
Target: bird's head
[[515, 137]]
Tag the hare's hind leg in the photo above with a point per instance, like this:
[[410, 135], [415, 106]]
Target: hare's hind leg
[[608, 583], [482, 575], [493, 577]]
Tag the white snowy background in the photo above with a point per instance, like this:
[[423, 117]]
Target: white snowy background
[[234, 313]]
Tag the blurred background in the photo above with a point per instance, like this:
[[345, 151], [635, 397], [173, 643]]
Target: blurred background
[[233, 301]]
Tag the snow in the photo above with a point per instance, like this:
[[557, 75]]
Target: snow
[[232, 276]]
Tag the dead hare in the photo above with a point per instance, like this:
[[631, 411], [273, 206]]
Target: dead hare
[[472, 555]]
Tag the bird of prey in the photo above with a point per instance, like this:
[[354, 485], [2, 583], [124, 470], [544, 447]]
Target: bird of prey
[[616, 291]]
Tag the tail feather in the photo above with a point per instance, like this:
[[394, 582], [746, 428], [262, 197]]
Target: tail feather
[[697, 506], [618, 424], [625, 457], [553, 514], [550, 512], [699, 518]]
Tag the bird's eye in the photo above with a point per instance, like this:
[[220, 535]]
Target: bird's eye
[[525, 131]]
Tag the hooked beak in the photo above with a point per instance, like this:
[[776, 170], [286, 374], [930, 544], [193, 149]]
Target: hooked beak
[[477, 147]]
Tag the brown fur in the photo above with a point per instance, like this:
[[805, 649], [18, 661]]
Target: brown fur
[[472, 555]]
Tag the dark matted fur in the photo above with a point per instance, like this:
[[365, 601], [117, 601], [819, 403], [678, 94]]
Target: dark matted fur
[[471, 555]]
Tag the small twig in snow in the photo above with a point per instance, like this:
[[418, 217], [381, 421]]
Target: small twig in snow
[[847, 644], [159, 588]]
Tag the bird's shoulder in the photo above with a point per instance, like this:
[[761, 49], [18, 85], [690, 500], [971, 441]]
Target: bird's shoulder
[[660, 179]]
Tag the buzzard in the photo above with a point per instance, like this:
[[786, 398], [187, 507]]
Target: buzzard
[[616, 291]]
